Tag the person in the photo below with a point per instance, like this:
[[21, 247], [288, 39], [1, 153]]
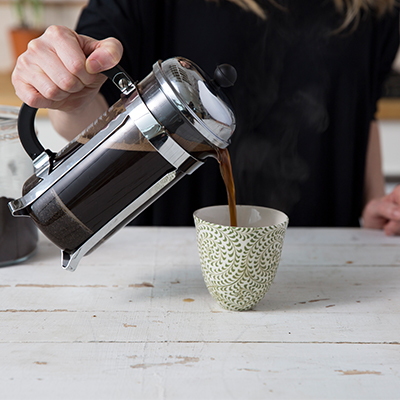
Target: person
[[309, 77]]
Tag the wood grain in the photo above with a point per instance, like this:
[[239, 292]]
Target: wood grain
[[122, 325]]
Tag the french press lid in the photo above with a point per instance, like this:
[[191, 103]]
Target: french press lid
[[198, 98]]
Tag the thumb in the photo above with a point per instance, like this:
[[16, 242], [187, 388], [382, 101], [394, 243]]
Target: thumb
[[102, 55]]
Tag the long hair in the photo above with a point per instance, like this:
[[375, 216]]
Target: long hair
[[351, 9]]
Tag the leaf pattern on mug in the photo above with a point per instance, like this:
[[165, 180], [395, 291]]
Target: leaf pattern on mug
[[239, 264]]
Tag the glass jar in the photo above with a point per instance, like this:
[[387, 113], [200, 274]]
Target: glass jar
[[18, 236]]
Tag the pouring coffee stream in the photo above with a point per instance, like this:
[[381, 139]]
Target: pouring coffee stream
[[161, 129], [226, 172]]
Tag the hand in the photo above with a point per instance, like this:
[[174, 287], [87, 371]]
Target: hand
[[384, 213], [60, 70]]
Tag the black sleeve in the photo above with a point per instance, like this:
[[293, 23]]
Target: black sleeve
[[129, 21], [386, 47]]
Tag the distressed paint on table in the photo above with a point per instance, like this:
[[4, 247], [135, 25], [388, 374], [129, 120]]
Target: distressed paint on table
[[135, 321]]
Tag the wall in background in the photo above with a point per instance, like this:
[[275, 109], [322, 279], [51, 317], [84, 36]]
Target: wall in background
[[390, 141], [56, 12]]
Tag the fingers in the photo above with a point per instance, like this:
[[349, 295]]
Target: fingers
[[383, 213], [394, 196], [40, 72], [32, 86], [385, 209], [392, 228], [54, 70], [52, 82], [103, 55]]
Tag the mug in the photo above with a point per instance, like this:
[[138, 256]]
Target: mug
[[239, 263]]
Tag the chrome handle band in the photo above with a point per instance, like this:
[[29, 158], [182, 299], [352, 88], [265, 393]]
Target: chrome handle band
[[159, 137]]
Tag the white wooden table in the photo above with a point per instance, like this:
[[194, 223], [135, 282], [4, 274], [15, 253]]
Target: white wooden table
[[135, 321]]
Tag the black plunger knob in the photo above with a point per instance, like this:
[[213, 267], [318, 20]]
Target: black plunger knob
[[225, 75]]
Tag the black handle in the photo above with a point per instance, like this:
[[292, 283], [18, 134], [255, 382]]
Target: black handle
[[26, 131], [120, 79], [113, 72]]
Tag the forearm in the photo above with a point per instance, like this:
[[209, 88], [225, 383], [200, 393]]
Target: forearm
[[70, 124], [380, 211], [374, 183]]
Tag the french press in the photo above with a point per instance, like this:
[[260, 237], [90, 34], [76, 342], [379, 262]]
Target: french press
[[160, 130]]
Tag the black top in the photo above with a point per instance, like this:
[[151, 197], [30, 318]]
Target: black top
[[304, 98]]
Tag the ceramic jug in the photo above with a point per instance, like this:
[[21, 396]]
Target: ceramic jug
[[18, 237]]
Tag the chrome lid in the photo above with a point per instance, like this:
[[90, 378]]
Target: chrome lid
[[192, 93]]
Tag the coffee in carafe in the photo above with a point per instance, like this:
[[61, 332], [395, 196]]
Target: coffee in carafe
[[108, 180]]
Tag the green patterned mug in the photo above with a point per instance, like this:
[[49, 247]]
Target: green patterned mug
[[239, 263]]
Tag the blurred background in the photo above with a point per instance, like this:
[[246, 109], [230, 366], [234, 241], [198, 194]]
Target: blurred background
[[23, 19]]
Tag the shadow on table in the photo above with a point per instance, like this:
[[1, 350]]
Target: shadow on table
[[310, 288], [294, 289]]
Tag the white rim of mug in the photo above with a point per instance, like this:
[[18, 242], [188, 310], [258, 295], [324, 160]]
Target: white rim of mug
[[281, 223]]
